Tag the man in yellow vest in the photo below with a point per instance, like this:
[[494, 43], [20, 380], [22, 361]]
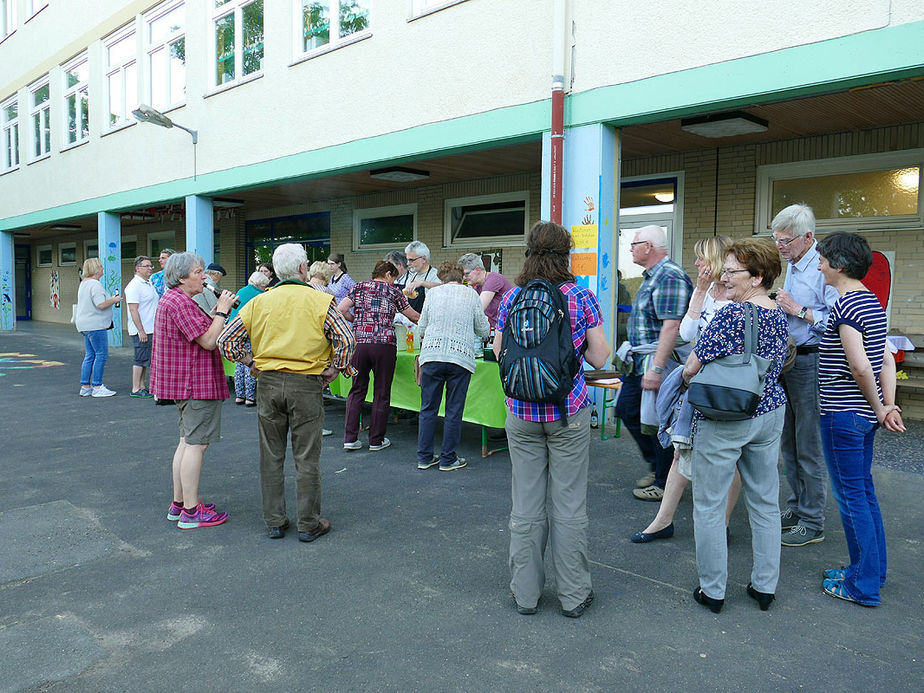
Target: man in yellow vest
[[298, 343]]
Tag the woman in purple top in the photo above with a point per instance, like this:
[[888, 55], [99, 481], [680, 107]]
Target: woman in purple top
[[549, 460], [371, 307], [340, 282], [856, 374], [491, 286]]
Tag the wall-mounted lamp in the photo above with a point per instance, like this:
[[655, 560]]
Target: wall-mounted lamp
[[724, 124], [146, 114]]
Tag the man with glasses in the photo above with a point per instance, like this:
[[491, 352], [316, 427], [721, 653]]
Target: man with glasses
[[141, 298], [653, 330], [807, 303], [491, 286], [420, 275]]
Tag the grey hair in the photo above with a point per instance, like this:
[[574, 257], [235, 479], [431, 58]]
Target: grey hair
[[140, 259], [287, 259], [418, 247], [796, 219], [471, 261], [397, 258], [259, 280], [654, 235], [179, 266], [321, 270]]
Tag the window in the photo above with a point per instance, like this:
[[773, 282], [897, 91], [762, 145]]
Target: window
[[129, 249], [9, 127], [39, 95], [317, 30], [67, 254], [165, 45], [7, 18], [90, 248], [263, 236], [486, 220], [384, 227], [238, 33], [43, 257], [36, 5], [866, 192], [419, 7], [76, 100], [121, 76], [160, 240]]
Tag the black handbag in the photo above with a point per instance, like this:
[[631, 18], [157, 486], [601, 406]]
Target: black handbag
[[729, 388]]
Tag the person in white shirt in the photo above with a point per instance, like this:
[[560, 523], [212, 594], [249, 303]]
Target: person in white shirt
[[141, 297]]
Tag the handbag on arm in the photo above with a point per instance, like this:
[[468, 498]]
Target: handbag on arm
[[729, 388]]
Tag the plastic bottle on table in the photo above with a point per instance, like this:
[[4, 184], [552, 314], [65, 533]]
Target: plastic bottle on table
[[409, 340]]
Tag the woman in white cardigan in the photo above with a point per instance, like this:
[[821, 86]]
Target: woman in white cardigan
[[451, 318], [93, 318]]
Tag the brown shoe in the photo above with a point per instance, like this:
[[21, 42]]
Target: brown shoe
[[322, 529]]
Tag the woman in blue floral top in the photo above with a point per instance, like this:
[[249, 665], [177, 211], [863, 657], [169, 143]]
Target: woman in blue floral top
[[750, 268]]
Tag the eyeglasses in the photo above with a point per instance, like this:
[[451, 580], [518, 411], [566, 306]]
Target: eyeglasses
[[635, 243], [413, 259], [146, 266], [783, 242], [731, 272]]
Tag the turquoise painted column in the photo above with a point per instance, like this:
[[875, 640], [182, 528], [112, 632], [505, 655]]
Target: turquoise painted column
[[7, 282], [109, 236], [200, 227]]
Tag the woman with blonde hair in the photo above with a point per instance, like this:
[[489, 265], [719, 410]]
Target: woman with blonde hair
[[708, 297], [319, 275], [93, 319]]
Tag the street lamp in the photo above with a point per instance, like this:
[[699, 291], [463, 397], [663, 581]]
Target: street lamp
[[146, 114]]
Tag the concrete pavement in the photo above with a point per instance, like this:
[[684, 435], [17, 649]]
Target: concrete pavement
[[99, 592]]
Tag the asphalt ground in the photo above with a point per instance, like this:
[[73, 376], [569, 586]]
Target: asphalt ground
[[99, 592]]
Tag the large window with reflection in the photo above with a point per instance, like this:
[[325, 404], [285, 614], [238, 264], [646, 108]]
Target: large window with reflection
[[237, 34], [331, 22], [121, 76], [263, 236], [76, 100], [9, 127], [165, 47]]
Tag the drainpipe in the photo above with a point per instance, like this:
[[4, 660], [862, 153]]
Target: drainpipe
[[558, 107]]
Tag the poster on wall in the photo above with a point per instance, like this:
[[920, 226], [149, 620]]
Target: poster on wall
[[54, 290]]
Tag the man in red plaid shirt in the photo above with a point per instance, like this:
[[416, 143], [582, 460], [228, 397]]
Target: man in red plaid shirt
[[186, 367]]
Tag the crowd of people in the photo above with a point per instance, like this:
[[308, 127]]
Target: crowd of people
[[828, 385]]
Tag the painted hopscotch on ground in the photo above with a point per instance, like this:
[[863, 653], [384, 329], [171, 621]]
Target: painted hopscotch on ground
[[12, 360]]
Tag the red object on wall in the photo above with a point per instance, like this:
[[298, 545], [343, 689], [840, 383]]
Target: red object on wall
[[879, 278]]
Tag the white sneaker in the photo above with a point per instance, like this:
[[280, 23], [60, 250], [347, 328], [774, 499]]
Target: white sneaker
[[102, 391], [86, 390], [355, 445], [326, 432], [384, 444]]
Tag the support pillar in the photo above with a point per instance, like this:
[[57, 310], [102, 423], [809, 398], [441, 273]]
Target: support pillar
[[109, 237], [200, 228], [7, 282]]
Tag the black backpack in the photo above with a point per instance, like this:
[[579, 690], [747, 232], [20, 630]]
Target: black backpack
[[537, 359]]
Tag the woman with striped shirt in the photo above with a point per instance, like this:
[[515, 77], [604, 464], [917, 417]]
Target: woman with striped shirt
[[856, 373]]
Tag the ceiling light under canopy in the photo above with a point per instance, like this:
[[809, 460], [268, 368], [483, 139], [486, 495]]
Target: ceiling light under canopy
[[724, 124], [399, 174]]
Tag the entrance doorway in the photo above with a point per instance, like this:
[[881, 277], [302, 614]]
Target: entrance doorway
[[23, 274]]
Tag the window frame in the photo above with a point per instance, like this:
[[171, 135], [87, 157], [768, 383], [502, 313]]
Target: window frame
[[861, 163], [13, 125], [38, 255], [36, 6], [334, 42], [150, 48], [43, 112], [158, 236], [67, 246], [87, 243], [360, 214], [485, 241], [133, 238], [127, 32], [422, 8], [75, 91], [235, 8], [8, 24]]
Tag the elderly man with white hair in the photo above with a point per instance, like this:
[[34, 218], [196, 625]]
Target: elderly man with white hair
[[807, 302], [653, 330], [299, 342], [420, 275]]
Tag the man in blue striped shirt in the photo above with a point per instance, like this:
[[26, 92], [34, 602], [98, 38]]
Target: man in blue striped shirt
[[807, 303]]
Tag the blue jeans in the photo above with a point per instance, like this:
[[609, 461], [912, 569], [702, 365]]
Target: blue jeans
[[847, 439], [96, 343], [629, 409], [432, 377]]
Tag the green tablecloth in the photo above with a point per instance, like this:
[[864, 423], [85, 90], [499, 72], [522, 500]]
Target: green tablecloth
[[484, 403]]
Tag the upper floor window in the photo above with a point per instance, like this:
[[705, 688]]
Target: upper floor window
[[76, 100], [121, 76], [165, 45], [39, 116], [36, 5], [238, 34], [7, 18], [9, 126], [856, 193], [351, 17], [419, 7]]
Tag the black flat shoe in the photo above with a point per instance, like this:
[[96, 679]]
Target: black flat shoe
[[763, 599], [714, 605], [642, 538], [577, 611], [278, 532]]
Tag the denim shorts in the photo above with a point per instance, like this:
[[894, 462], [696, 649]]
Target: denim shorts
[[142, 350]]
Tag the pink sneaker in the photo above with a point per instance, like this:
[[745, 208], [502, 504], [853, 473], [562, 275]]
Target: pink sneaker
[[203, 517], [173, 514]]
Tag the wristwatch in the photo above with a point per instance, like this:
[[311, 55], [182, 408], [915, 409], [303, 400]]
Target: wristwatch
[[657, 369], [801, 313], [224, 315]]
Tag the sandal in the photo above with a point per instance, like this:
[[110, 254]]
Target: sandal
[[835, 588], [238, 400], [250, 403], [836, 573]]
